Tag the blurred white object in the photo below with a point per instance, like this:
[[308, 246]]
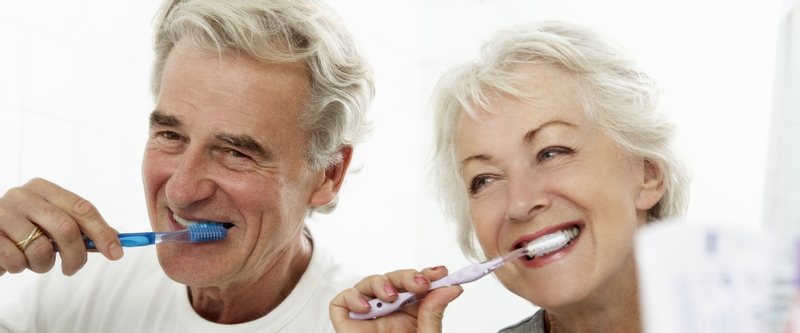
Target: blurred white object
[[703, 278], [781, 193]]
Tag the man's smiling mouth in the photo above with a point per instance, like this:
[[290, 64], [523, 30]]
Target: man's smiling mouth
[[187, 223]]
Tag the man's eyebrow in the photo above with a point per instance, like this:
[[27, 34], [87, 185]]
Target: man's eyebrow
[[245, 142], [160, 118]]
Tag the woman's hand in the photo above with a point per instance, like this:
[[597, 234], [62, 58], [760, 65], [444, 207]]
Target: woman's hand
[[424, 316], [59, 215]]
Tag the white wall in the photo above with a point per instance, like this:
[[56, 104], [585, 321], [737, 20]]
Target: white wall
[[74, 103]]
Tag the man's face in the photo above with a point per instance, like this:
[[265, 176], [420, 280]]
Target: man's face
[[225, 145]]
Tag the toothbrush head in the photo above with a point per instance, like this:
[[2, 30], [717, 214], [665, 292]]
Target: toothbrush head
[[207, 231], [547, 243]]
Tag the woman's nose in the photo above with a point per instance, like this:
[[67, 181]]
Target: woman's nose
[[190, 181], [525, 199]]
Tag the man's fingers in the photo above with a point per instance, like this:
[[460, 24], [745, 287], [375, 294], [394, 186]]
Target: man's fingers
[[40, 255], [84, 214], [61, 228], [12, 259]]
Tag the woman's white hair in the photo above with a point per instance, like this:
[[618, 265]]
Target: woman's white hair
[[305, 31], [617, 95]]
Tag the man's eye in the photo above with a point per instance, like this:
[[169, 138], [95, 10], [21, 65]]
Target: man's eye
[[236, 153], [171, 136]]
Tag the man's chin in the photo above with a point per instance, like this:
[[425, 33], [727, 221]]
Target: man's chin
[[188, 268]]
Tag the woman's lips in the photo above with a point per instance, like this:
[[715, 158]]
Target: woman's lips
[[530, 237], [541, 260]]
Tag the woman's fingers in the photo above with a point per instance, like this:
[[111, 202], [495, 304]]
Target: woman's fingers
[[352, 300], [430, 312], [347, 301], [386, 287]]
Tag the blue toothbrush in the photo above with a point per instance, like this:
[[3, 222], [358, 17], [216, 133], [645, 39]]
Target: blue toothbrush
[[201, 232]]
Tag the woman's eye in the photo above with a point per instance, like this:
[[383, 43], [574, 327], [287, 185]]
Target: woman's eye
[[551, 152], [479, 182]]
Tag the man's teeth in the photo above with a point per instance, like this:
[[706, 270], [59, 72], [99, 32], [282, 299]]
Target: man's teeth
[[551, 242], [184, 223]]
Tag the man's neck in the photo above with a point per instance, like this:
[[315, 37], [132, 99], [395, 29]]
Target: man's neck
[[249, 300]]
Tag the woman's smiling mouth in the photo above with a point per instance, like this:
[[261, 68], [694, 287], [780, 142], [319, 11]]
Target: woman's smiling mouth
[[571, 232]]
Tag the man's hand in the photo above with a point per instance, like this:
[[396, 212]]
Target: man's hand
[[62, 217]]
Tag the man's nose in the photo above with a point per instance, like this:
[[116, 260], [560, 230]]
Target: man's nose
[[190, 181]]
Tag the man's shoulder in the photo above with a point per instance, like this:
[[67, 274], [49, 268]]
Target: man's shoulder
[[333, 275]]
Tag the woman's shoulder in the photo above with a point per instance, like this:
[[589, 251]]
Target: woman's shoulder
[[532, 324]]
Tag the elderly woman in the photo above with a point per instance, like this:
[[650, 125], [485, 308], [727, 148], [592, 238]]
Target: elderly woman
[[555, 128]]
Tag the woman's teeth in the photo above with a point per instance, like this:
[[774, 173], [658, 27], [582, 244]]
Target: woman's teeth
[[551, 242]]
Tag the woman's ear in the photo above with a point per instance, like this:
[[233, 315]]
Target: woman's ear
[[652, 187], [332, 180]]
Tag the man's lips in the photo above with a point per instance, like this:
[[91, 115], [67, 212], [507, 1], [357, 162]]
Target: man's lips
[[183, 222]]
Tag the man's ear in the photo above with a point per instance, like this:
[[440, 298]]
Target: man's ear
[[332, 180], [652, 187]]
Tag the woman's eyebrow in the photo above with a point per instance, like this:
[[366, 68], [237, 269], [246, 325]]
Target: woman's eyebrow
[[472, 158], [531, 135]]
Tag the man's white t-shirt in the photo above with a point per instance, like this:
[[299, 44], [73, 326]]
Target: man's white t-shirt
[[134, 295]]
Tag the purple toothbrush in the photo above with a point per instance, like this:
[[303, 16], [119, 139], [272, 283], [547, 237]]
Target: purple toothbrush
[[541, 246]]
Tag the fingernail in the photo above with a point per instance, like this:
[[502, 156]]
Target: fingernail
[[115, 251], [390, 291], [436, 268], [420, 280], [365, 303]]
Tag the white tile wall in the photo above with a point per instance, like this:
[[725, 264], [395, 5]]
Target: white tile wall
[[73, 98], [74, 102]]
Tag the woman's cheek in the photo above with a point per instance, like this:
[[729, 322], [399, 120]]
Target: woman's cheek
[[487, 222]]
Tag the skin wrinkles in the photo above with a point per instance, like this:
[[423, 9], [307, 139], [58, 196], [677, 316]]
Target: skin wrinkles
[[162, 119], [529, 139], [202, 162], [548, 164]]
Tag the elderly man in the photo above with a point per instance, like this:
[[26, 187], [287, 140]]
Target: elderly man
[[258, 104]]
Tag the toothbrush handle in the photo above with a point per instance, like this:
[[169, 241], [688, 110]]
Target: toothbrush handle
[[380, 308], [127, 240], [467, 274]]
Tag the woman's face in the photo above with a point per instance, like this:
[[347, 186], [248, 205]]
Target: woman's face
[[532, 169]]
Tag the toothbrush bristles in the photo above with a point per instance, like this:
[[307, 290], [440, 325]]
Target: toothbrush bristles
[[207, 231], [546, 244]]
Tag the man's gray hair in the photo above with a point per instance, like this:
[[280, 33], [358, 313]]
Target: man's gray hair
[[306, 31]]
